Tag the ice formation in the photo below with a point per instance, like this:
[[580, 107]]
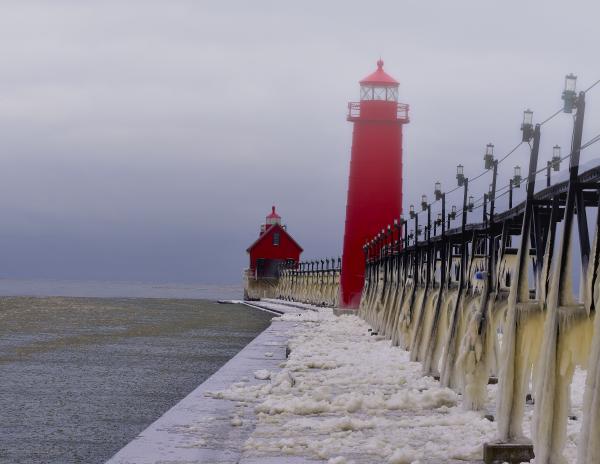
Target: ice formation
[[348, 396]]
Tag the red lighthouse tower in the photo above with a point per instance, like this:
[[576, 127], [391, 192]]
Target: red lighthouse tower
[[375, 183]]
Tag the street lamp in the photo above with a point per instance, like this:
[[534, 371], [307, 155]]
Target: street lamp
[[438, 222], [438, 191], [554, 164], [411, 211], [527, 125], [556, 158], [517, 177], [489, 156], [423, 202], [451, 216], [439, 195], [460, 175], [569, 96]]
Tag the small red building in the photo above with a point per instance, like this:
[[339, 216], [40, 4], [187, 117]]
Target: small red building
[[274, 246]]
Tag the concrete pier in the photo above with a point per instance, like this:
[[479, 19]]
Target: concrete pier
[[201, 429]]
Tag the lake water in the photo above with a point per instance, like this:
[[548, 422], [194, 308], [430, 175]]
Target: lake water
[[80, 377]]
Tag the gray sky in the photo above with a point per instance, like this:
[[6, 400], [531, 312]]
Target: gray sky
[[147, 140]]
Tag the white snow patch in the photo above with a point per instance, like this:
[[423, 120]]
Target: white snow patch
[[403, 456], [337, 460], [262, 374]]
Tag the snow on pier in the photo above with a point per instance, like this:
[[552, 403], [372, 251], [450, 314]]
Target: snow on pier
[[344, 395]]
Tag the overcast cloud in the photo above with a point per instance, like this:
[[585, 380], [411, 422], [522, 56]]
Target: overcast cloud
[[147, 140]]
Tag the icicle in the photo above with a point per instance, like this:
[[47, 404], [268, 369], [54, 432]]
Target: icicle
[[589, 447], [473, 359]]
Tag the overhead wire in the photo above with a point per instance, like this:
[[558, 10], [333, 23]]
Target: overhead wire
[[506, 188], [507, 155], [592, 86]]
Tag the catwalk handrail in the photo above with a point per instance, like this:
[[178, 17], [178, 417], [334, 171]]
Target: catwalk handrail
[[495, 300]]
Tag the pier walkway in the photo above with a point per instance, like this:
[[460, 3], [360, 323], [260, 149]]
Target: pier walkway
[[344, 395], [204, 429]]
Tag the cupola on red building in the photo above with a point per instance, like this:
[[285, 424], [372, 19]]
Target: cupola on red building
[[274, 247]]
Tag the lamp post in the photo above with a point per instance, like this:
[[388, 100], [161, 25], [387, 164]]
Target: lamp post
[[488, 158], [517, 179], [414, 216], [513, 183], [397, 226], [553, 165], [425, 206], [437, 223], [569, 95], [451, 215], [439, 195], [490, 224], [485, 200], [467, 206], [464, 182], [572, 100], [527, 125], [404, 223]]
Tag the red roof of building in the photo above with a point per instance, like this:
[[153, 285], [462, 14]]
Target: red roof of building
[[380, 77], [266, 233], [273, 214]]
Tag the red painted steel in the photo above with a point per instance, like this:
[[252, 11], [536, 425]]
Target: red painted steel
[[375, 181], [267, 249], [379, 77]]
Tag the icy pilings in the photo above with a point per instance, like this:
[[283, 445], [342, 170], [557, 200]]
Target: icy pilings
[[567, 339], [417, 318], [478, 351], [522, 337], [314, 286], [589, 444], [256, 288]]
